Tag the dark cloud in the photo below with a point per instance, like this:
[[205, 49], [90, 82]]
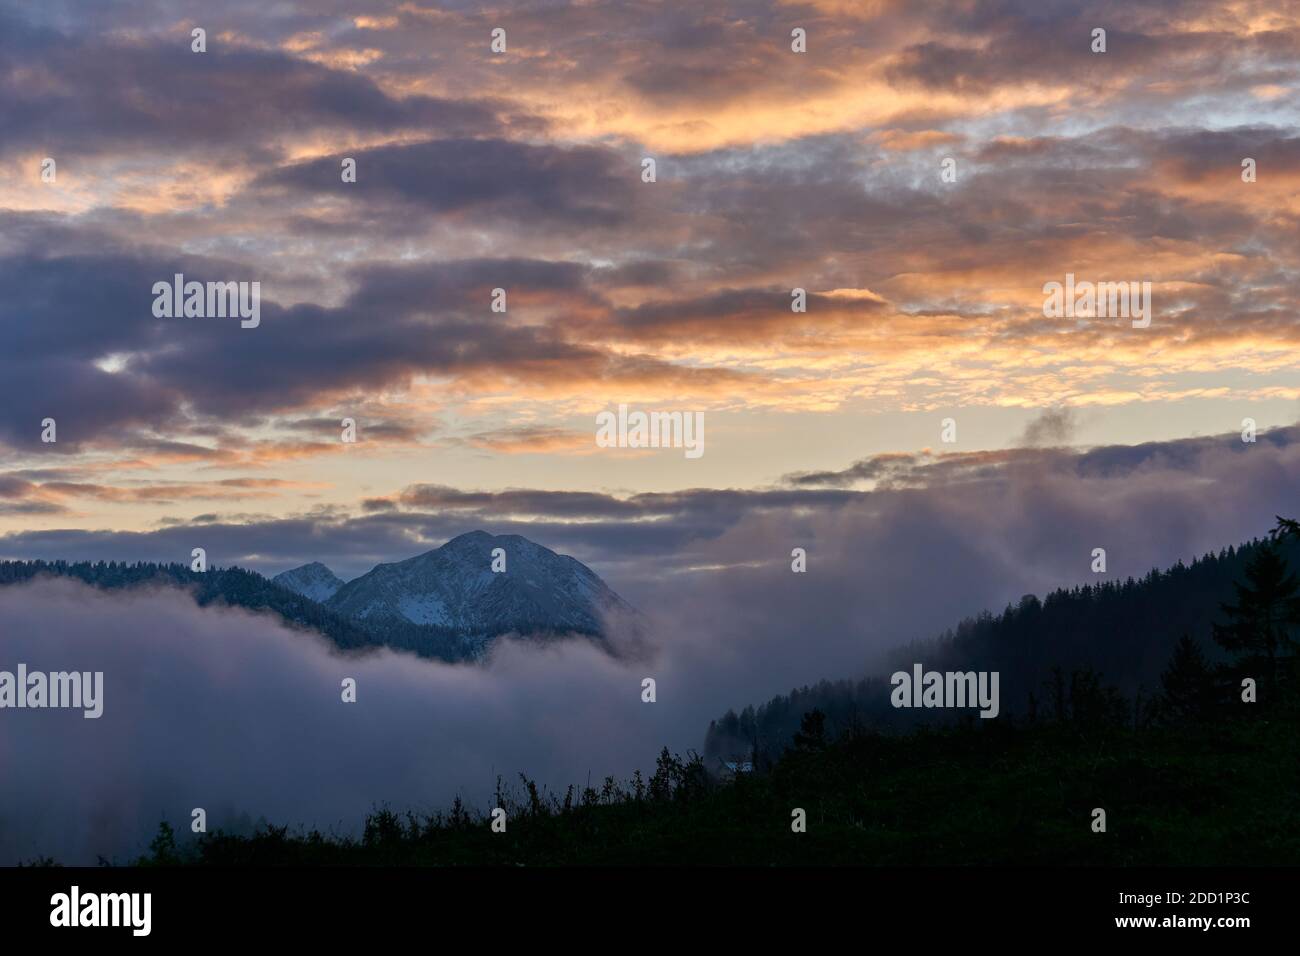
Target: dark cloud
[[464, 286], [1051, 44], [1054, 427], [19, 496], [875, 468], [740, 315], [77, 93], [1216, 155], [490, 179], [69, 312], [330, 429], [641, 274]]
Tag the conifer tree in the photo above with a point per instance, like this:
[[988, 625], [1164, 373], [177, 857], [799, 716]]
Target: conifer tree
[[1188, 684], [1262, 622]]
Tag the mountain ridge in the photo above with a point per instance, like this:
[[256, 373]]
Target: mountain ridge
[[445, 603], [483, 585], [313, 580]]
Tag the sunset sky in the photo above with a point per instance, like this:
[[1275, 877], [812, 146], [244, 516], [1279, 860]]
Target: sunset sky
[[523, 170]]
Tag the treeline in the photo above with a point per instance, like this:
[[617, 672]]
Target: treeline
[[1126, 630]]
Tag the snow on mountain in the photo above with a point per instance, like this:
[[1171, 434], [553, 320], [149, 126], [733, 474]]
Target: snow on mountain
[[454, 586], [313, 581]]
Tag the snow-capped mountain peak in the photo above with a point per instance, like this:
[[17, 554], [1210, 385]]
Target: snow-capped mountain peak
[[455, 586], [313, 581]]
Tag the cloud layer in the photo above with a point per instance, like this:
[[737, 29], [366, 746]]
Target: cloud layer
[[522, 171]]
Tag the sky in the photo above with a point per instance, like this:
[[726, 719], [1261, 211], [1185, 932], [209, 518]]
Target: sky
[[922, 171], [522, 170]]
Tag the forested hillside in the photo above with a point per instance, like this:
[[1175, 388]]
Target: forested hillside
[[1126, 630]]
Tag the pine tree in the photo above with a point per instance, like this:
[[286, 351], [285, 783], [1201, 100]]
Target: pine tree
[[1267, 611], [812, 731], [1188, 684]]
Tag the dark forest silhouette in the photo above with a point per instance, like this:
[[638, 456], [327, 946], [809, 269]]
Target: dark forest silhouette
[[1127, 631]]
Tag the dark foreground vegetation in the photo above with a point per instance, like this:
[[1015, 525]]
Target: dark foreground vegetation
[[1221, 793]]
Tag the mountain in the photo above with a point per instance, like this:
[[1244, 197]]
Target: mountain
[[447, 603], [454, 588], [313, 581]]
